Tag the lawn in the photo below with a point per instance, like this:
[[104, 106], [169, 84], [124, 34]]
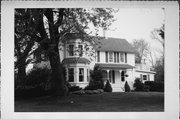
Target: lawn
[[105, 102]]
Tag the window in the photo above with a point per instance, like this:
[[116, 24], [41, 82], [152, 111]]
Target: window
[[71, 74], [71, 50], [144, 77], [123, 76], [122, 57], [115, 57], [98, 56], [81, 74], [110, 57], [125, 57], [106, 56], [80, 47]]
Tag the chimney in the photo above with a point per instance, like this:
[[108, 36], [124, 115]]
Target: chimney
[[104, 34]]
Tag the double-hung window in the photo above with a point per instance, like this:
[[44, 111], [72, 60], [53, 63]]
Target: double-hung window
[[80, 50], [81, 74], [71, 50], [122, 57], [110, 56], [117, 57]]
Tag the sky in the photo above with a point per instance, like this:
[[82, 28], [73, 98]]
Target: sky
[[137, 23]]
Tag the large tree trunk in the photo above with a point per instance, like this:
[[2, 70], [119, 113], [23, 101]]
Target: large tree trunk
[[57, 72], [21, 72]]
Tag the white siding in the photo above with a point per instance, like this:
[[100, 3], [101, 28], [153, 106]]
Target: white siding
[[131, 59]]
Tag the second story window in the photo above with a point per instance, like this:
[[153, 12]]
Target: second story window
[[98, 56], [117, 57], [80, 50], [110, 57], [71, 50], [122, 57]]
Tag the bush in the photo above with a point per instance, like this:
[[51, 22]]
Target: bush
[[74, 88], [36, 83], [155, 86], [108, 87], [126, 86], [96, 81], [139, 86]]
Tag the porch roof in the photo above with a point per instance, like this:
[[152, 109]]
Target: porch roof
[[114, 66], [75, 60]]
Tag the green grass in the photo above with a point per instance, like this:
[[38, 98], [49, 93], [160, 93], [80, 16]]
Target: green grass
[[105, 102]]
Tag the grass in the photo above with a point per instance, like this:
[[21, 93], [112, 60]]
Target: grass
[[105, 102]]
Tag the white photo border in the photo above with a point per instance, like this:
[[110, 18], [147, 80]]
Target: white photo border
[[171, 110]]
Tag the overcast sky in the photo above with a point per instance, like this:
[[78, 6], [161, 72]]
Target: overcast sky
[[137, 23]]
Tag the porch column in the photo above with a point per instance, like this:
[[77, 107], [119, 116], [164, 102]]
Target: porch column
[[107, 74], [120, 74]]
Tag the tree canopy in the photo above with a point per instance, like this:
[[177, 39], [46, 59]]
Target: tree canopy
[[44, 28], [142, 49]]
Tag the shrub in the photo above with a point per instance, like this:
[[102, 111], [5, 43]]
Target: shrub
[[36, 83], [126, 86], [155, 86], [74, 88], [108, 87], [96, 81], [139, 86]]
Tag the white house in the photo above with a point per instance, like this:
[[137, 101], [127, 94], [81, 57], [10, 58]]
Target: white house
[[116, 57]]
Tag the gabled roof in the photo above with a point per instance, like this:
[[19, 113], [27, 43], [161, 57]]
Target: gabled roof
[[75, 60], [114, 66], [114, 44]]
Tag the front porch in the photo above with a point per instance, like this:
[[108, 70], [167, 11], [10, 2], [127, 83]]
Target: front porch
[[117, 75]]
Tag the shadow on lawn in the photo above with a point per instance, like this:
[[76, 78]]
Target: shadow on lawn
[[106, 102]]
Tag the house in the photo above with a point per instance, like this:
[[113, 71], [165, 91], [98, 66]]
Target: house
[[116, 57], [144, 73]]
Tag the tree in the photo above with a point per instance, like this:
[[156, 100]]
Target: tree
[[24, 41], [52, 26], [142, 49], [158, 34]]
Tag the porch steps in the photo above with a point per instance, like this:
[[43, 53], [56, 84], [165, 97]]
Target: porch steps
[[117, 88]]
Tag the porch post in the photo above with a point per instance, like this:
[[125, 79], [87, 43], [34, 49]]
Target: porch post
[[107, 74], [120, 74]]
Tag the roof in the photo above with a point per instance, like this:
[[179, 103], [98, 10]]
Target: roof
[[114, 66], [114, 44], [75, 60], [145, 71]]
